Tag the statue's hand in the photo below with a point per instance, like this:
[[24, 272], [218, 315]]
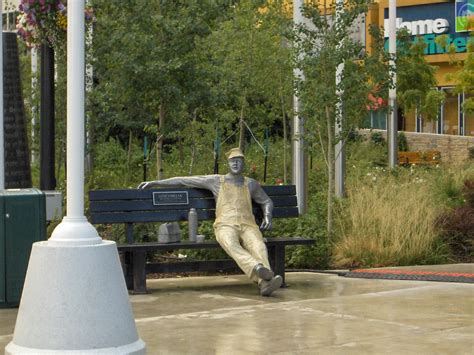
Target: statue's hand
[[266, 223], [145, 185]]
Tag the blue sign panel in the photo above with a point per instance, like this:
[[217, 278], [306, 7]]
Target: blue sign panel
[[431, 21]]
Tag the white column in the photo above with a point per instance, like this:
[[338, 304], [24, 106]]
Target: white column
[[2, 124], [392, 127], [339, 154], [74, 228], [299, 156], [75, 109]]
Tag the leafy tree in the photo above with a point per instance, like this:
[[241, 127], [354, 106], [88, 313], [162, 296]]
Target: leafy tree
[[464, 77], [322, 45], [251, 64], [416, 78], [145, 68]]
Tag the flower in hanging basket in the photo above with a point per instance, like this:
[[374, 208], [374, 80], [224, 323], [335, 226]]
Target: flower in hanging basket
[[45, 21], [40, 22]]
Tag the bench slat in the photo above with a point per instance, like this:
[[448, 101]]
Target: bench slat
[[187, 266], [147, 205], [279, 190], [144, 217], [175, 215], [209, 244], [135, 194]]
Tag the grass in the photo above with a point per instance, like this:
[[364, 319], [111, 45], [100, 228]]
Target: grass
[[390, 218]]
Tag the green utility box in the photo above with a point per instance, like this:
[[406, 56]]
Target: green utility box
[[22, 222]]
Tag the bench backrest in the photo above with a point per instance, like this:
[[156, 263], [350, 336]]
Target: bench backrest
[[138, 206]]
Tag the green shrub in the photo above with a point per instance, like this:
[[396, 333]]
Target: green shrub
[[402, 142], [471, 152], [377, 138], [457, 226]]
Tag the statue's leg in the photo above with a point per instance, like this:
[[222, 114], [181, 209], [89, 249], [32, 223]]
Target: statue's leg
[[228, 238], [252, 240]]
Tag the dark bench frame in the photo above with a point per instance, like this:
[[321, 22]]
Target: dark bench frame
[[136, 206]]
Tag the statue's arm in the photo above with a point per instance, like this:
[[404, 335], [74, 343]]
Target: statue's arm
[[209, 182], [265, 202]]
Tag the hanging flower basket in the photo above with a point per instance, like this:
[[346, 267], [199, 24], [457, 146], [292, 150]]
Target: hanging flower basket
[[45, 21]]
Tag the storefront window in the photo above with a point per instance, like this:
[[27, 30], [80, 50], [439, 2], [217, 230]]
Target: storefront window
[[468, 122], [376, 119], [379, 119], [450, 112], [429, 126]]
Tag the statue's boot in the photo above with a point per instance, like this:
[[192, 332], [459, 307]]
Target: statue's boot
[[263, 273], [267, 287]]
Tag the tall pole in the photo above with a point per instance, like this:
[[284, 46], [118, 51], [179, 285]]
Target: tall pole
[[299, 157], [2, 138], [339, 161], [47, 179], [392, 131], [74, 228]]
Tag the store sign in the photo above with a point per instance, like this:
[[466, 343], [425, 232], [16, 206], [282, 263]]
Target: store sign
[[427, 22], [420, 27], [464, 15]]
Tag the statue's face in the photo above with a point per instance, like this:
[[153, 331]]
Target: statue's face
[[236, 165]]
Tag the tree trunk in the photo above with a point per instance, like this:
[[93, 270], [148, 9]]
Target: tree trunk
[[90, 143], [180, 149], [159, 143], [285, 138], [129, 154], [61, 153], [193, 143], [330, 160], [242, 128]]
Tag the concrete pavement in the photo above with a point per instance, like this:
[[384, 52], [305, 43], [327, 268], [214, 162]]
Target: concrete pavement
[[317, 314]]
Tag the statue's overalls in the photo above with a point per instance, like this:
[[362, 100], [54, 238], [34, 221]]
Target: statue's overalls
[[236, 230]]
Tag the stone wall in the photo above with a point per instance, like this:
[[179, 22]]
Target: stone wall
[[17, 162], [452, 148]]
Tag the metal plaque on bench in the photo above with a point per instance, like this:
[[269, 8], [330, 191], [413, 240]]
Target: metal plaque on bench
[[170, 198]]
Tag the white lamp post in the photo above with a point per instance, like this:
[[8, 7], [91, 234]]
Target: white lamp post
[[339, 153], [299, 156], [392, 129], [74, 298]]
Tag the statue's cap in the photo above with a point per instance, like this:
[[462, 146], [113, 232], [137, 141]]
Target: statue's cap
[[234, 153]]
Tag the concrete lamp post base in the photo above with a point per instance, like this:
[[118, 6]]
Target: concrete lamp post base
[[75, 301]]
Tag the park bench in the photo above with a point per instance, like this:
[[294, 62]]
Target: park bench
[[430, 157], [130, 207]]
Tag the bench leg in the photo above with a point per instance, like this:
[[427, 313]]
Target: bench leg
[[139, 272], [276, 255], [126, 259]]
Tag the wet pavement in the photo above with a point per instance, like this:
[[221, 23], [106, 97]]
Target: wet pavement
[[317, 314]]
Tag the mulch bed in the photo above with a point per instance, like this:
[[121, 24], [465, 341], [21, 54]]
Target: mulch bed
[[410, 275]]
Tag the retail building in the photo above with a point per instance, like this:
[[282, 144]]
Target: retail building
[[427, 20]]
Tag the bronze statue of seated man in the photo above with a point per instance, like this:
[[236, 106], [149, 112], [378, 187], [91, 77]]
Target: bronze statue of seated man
[[235, 227]]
